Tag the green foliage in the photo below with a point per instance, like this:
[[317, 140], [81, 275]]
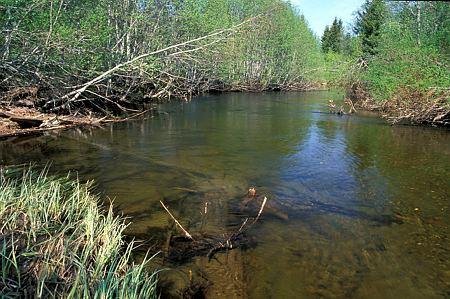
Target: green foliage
[[57, 243], [405, 48], [402, 65], [427, 21], [333, 37], [276, 49], [337, 69], [369, 22], [87, 37]]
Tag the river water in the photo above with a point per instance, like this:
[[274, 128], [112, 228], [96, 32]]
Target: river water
[[356, 208]]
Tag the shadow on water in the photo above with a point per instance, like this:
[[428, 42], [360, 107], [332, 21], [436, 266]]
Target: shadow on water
[[356, 208]]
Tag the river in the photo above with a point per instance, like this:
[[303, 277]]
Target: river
[[358, 208]]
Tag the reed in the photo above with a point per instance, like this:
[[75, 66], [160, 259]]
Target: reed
[[55, 241]]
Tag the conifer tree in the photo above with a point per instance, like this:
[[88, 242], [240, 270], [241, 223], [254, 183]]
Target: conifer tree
[[326, 45], [333, 37], [369, 21]]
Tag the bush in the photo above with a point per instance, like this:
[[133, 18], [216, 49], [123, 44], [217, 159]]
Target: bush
[[401, 64]]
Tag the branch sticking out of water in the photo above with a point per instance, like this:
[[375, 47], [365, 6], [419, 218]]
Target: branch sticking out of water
[[260, 210], [186, 233]]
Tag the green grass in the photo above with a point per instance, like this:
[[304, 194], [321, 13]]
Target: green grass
[[55, 241], [409, 68]]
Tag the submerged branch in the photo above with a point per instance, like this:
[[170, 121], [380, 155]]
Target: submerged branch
[[186, 233]]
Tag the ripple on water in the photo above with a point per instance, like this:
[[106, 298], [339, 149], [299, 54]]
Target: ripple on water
[[366, 203]]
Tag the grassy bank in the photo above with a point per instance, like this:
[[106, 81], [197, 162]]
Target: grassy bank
[[395, 60], [406, 81], [55, 241]]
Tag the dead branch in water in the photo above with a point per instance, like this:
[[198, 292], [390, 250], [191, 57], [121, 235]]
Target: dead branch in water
[[232, 240], [186, 233], [31, 122], [407, 106], [352, 108], [180, 248], [260, 210]]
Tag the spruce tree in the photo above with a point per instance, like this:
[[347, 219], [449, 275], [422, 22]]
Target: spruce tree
[[333, 36], [369, 21], [326, 45], [336, 35]]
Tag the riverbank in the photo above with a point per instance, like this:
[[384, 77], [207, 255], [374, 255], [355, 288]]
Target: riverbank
[[17, 119], [408, 106], [21, 121], [57, 242]]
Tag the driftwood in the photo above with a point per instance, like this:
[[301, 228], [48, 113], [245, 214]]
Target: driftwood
[[182, 248], [254, 202], [36, 131], [339, 110], [27, 122], [349, 102], [35, 125], [186, 233], [22, 121], [407, 106]]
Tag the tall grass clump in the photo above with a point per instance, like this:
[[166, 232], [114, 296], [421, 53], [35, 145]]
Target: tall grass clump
[[55, 241]]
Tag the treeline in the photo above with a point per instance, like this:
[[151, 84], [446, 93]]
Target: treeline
[[397, 55], [335, 39], [52, 49]]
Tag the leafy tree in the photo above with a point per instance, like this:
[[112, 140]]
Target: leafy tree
[[428, 21], [407, 59]]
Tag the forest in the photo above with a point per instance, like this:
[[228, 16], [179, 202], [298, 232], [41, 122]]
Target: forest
[[395, 58], [108, 56], [161, 49]]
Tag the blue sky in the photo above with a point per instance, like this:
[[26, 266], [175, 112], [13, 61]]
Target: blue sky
[[320, 13]]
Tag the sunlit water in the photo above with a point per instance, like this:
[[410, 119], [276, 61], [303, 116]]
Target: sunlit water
[[356, 209]]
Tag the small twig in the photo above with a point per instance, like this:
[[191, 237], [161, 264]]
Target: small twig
[[242, 226], [176, 222], [260, 210]]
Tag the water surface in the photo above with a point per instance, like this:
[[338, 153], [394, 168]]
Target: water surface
[[358, 208]]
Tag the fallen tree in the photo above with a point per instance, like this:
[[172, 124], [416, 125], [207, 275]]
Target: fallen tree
[[16, 122], [171, 52], [187, 246], [125, 54]]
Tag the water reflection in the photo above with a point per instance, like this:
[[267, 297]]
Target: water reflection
[[367, 203]]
